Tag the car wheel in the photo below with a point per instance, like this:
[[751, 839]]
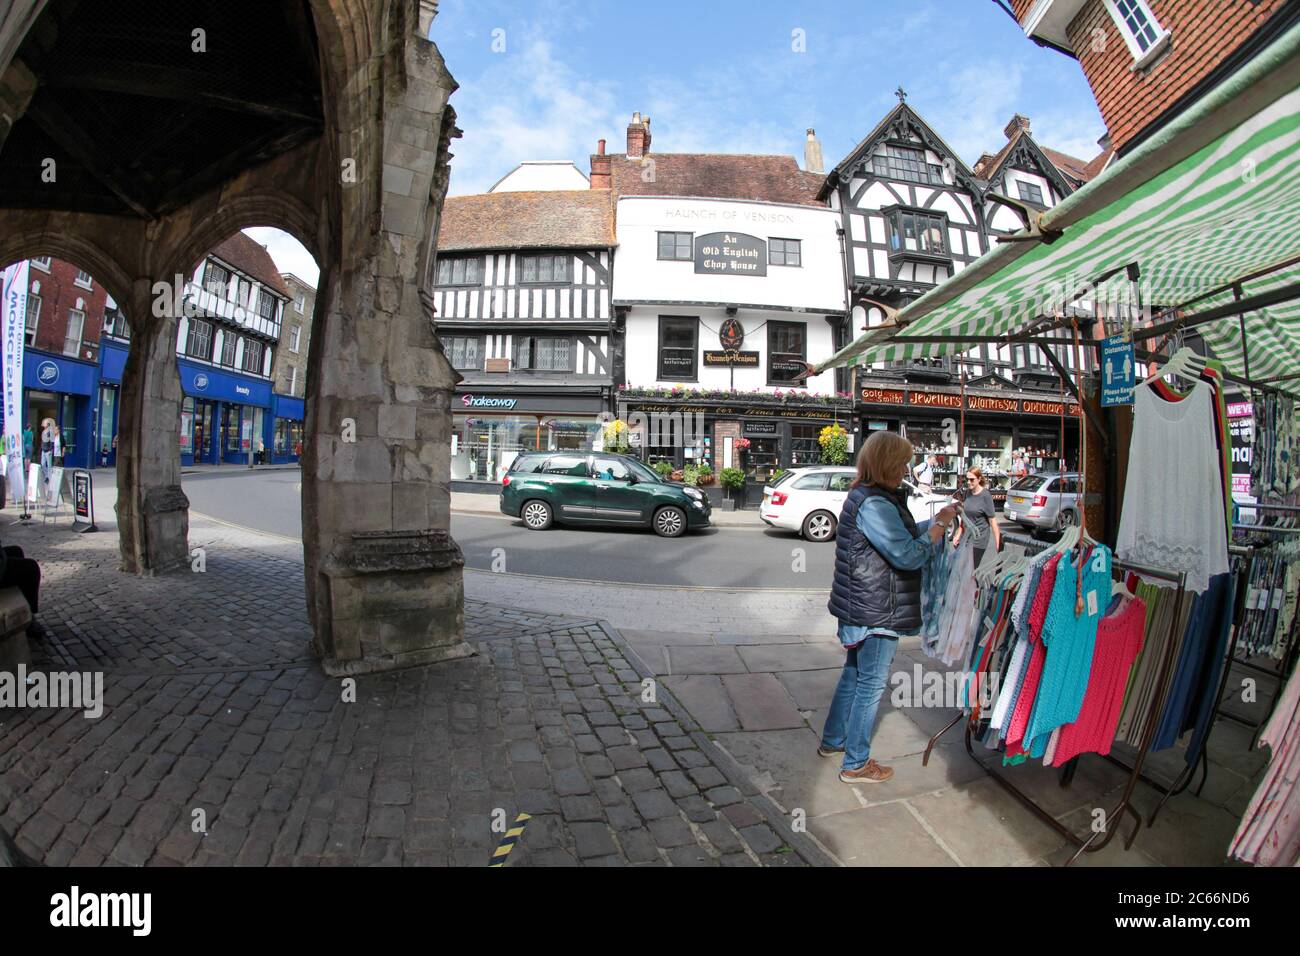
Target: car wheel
[[819, 526], [1065, 520], [670, 522], [536, 514]]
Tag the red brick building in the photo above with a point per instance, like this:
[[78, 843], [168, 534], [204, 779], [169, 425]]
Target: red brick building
[[65, 309], [1148, 60]]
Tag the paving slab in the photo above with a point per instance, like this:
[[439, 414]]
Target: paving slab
[[705, 660], [791, 657], [761, 702], [703, 696], [884, 835], [810, 690], [985, 826], [785, 765]]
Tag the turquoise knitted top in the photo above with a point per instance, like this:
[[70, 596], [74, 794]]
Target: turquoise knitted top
[[1069, 642]]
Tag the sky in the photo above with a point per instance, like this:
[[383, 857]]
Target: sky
[[546, 79]]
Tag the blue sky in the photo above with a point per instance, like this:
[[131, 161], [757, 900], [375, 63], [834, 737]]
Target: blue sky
[[725, 77]]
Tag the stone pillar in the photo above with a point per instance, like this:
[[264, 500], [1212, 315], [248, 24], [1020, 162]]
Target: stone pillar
[[384, 576], [152, 510]]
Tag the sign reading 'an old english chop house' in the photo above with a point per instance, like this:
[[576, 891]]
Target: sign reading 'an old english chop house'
[[730, 253]]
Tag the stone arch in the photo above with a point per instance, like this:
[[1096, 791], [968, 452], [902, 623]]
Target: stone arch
[[70, 246], [278, 210]]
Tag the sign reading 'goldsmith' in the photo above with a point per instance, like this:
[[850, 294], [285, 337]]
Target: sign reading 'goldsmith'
[[730, 253]]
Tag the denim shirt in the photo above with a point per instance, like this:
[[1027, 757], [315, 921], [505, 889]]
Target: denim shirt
[[878, 520]]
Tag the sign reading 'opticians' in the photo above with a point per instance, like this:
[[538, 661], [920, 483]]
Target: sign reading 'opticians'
[[730, 253]]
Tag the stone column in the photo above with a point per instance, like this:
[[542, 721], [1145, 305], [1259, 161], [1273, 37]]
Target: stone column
[[152, 510], [384, 576]]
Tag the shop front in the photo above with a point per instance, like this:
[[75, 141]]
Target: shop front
[[223, 415], [979, 430], [756, 433], [62, 390], [491, 427], [284, 432]]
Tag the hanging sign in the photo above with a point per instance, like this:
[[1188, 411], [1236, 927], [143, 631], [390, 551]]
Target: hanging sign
[[1117, 368], [731, 335]]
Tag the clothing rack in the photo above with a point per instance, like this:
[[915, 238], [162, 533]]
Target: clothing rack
[[1288, 659], [1092, 844]]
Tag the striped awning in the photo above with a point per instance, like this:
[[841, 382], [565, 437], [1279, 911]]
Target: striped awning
[[1213, 199]]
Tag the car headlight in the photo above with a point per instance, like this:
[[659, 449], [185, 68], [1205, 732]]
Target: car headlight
[[694, 493]]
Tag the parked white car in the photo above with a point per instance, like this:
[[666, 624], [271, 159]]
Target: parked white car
[[809, 501]]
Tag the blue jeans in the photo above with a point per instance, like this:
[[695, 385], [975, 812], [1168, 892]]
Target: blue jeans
[[852, 716]]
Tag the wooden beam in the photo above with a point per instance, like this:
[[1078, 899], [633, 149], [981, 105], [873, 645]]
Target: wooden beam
[[60, 127], [180, 85]]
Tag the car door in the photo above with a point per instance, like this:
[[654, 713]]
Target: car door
[[618, 497], [837, 489], [573, 494]]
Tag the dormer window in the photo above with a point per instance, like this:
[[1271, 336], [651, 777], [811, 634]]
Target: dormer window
[[907, 164], [1138, 26]]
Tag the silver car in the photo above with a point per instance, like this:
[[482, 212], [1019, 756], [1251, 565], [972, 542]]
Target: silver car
[[1048, 502]]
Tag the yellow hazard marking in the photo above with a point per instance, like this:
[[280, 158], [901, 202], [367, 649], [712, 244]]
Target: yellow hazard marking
[[509, 840]]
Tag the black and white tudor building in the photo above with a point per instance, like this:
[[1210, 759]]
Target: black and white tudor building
[[914, 214], [522, 305]]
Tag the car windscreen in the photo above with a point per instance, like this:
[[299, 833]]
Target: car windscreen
[[1028, 483], [782, 478]]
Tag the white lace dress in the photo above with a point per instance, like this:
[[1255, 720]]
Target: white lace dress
[[1173, 515]]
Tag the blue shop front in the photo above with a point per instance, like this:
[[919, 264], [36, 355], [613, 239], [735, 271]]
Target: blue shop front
[[62, 389], [225, 415], [284, 435]]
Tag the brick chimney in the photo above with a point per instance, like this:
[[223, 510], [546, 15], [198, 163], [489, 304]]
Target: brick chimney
[[1018, 122], [812, 153], [601, 173], [638, 137]]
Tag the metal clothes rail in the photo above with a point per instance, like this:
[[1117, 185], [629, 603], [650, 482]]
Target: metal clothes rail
[[1096, 840]]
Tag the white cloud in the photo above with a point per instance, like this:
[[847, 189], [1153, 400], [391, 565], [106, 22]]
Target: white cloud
[[528, 105], [287, 252]]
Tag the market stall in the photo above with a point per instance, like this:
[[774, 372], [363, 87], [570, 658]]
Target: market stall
[[1187, 255]]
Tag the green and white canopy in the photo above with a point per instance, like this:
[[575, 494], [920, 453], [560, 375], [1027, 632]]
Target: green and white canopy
[[1210, 201]]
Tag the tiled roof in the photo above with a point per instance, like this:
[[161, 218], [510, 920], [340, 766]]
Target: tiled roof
[[553, 219], [766, 178], [1098, 164], [1076, 169], [251, 258], [1069, 166]]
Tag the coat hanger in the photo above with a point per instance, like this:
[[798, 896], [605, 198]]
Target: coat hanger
[[1185, 363]]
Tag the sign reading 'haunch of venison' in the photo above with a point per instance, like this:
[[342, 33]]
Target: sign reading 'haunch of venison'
[[730, 253]]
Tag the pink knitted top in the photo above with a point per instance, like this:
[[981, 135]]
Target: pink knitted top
[[1119, 641]]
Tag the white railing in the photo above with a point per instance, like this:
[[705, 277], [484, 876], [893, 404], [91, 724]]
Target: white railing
[[209, 303]]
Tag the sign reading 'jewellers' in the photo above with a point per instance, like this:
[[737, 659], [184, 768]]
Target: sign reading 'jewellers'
[[730, 253]]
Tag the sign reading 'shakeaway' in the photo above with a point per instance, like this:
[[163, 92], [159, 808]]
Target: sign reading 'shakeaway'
[[1117, 369], [730, 253]]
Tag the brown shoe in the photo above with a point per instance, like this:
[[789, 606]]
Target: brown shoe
[[869, 772]]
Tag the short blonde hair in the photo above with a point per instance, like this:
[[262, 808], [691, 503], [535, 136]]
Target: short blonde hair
[[881, 458]]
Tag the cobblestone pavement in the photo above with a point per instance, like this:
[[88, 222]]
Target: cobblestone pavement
[[215, 712]]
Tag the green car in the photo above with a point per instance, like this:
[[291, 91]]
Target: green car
[[580, 488]]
